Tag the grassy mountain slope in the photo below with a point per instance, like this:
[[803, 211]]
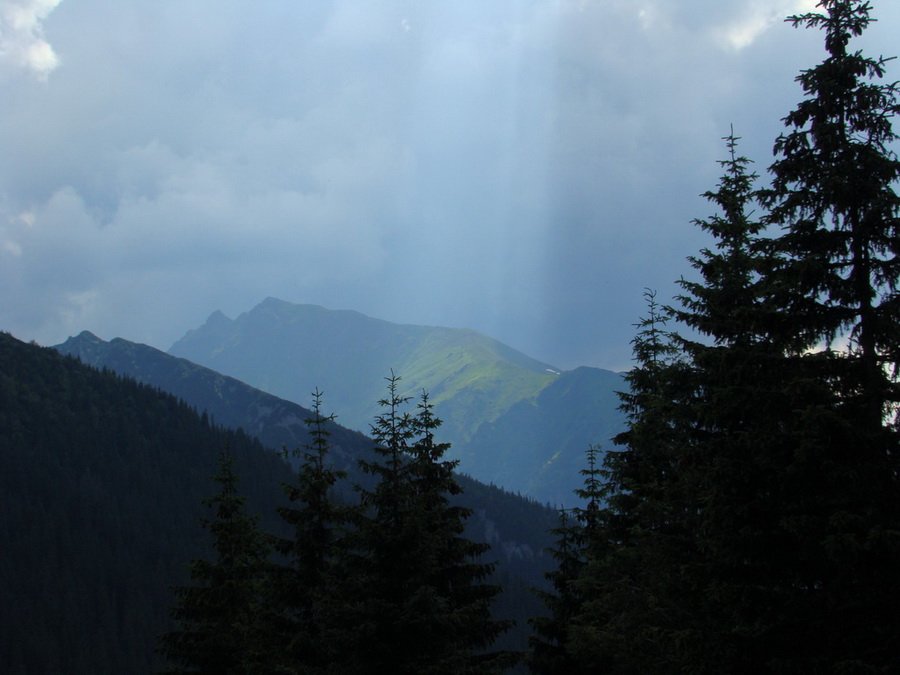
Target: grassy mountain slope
[[537, 447], [512, 420], [289, 349]]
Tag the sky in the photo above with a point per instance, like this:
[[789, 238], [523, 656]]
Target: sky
[[524, 168]]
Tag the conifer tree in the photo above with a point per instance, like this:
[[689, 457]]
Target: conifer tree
[[458, 573], [676, 572], [746, 392], [420, 602], [835, 283], [578, 528], [220, 631], [304, 589], [834, 195], [633, 606]]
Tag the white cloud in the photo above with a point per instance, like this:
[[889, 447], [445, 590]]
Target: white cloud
[[756, 17], [26, 217], [22, 42]]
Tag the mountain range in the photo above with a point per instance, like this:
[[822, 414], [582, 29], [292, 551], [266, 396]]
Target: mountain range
[[104, 461], [512, 420], [280, 425]]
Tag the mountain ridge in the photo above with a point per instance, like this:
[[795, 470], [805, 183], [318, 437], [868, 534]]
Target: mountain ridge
[[477, 384], [276, 423], [312, 340]]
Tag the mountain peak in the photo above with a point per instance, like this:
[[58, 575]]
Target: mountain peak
[[217, 319], [85, 337], [82, 345], [272, 302], [216, 324]]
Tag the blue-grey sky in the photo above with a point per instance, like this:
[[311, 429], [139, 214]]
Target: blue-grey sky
[[521, 167]]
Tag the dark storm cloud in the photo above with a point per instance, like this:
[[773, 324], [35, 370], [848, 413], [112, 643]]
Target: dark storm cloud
[[524, 168]]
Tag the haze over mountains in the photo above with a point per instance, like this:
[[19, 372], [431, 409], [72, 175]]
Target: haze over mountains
[[512, 420]]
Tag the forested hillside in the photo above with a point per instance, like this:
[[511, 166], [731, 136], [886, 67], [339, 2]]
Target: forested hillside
[[516, 527], [230, 403], [100, 488], [102, 485]]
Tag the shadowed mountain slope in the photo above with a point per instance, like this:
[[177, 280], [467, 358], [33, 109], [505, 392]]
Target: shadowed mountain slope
[[502, 519], [538, 445], [277, 423], [101, 481]]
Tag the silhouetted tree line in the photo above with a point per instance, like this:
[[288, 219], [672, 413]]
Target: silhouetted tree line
[[748, 520], [389, 584]]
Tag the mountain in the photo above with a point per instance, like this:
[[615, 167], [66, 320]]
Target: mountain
[[288, 350], [511, 419], [517, 528], [101, 481], [538, 444], [277, 423]]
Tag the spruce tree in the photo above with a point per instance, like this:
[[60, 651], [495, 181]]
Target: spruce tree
[[686, 574], [578, 528], [833, 194], [376, 565], [834, 197], [304, 589], [746, 407], [633, 600], [219, 627], [419, 601], [456, 614]]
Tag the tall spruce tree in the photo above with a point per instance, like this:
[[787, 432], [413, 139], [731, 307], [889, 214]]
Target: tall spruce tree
[[835, 279], [419, 602], [302, 616], [220, 631], [633, 602], [834, 194], [455, 606], [748, 405]]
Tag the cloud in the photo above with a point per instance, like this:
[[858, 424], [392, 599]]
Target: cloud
[[521, 167], [756, 17], [22, 42]]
